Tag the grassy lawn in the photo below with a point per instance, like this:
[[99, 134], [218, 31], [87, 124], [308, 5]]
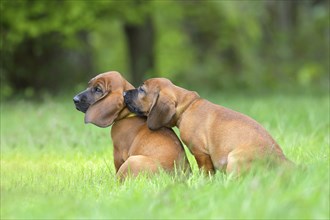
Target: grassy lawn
[[55, 166]]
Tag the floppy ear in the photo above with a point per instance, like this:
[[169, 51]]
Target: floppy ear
[[105, 111], [161, 112]]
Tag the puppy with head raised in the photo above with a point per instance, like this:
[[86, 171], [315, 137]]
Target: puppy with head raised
[[218, 137], [136, 148]]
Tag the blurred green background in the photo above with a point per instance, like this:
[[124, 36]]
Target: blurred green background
[[55, 46], [267, 59]]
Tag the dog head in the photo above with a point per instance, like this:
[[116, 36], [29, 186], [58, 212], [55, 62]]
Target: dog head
[[156, 99], [103, 100]]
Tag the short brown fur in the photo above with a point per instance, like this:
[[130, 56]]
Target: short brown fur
[[136, 148], [218, 137]]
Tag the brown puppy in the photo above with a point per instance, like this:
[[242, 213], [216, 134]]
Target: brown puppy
[[136, 148], [218, 137]]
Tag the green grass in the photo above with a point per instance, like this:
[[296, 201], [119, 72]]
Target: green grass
[[54, 166]]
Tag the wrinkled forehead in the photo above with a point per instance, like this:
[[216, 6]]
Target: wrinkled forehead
[[108, 80], [102, 79], [94, 81]]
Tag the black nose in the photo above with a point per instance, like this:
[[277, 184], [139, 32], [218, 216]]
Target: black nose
[[76, 99]]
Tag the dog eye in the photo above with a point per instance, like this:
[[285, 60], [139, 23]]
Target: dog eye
[[97, 89], [141, 89]]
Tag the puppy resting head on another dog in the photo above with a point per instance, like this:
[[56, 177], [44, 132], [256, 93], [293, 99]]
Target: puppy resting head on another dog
[[156, 98], [153, 100]]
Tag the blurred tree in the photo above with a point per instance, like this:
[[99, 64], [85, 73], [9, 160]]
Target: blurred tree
[[136, 22], [297, 33], [139, 30], [222, 44], [47, 46], [140, 40], [41, 48], [257, 43]]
